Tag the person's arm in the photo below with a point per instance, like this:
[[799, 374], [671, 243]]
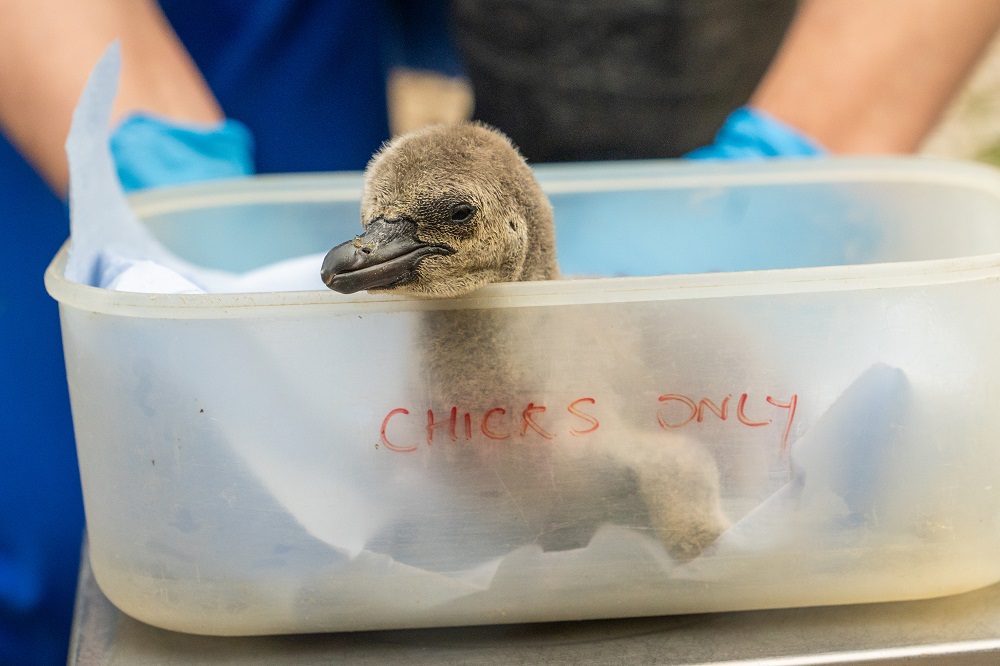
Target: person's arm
[[49, 47], [874, 76]]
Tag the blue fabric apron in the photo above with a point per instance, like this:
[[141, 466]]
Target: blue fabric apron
[[308, 78]]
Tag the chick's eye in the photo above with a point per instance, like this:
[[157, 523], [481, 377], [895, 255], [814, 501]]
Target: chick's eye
[[461, 213]]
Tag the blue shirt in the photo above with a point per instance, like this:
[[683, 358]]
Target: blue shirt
[[308, 78]]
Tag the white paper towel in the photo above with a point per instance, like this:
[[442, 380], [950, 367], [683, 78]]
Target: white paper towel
[[110, 248]]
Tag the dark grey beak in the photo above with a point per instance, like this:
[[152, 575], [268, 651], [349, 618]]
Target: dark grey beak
[[385, 255]]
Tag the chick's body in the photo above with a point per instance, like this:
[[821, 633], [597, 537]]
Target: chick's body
[[449, 209]]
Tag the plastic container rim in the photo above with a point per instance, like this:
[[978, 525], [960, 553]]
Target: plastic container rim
[[658, 174]]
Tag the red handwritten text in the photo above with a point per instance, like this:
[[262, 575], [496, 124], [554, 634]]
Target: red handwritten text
[[674, 411], [679, 410], [494, 424]]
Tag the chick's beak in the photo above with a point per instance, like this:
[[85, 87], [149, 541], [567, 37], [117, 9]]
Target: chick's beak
[[385, 255]]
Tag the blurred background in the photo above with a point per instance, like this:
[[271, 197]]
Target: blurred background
[[971, 127]]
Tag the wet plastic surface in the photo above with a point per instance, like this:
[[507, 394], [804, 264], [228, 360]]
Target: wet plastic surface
[[307, 461]]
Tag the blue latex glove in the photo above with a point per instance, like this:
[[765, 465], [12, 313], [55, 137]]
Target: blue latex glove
[[151, 151], [750, 134]]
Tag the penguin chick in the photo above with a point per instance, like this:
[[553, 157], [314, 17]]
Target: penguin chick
[[446, 209]]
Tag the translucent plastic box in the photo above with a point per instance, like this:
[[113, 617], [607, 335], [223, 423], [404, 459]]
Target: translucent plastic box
[[818, 337]]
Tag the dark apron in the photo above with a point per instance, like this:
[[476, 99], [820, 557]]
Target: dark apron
[[622, 79]]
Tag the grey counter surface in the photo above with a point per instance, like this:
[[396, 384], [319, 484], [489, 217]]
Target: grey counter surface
[[962, 629]]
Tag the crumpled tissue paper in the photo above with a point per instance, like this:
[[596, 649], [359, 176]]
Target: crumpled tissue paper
[[110, 247]]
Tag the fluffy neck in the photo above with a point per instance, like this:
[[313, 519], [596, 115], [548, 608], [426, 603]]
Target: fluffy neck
[[540, 261]]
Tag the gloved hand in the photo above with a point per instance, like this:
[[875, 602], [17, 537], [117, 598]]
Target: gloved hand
[[150, 151], [751, 134]]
